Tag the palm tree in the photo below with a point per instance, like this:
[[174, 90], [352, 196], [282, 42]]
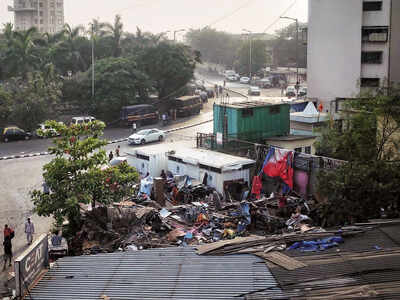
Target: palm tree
[[22, 54], [116, 32], [97, 28], [72, 46]]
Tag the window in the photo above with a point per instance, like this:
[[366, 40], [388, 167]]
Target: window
[[247, 112], [377, 34], [371, 57], [307, 150], [276, 109], [297, 149], [372, 6], [369, 82]]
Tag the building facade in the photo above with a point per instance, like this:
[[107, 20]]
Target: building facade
[[352, 45], [45, 15]]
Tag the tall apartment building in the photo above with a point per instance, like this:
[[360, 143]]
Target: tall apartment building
[[352, 44], [46, 15]]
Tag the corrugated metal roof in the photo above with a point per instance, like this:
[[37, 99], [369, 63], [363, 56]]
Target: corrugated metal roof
[[169, 273]]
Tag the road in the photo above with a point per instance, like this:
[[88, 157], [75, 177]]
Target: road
[[20, 176]]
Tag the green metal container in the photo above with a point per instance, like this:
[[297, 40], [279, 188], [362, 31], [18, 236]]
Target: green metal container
[[252, 121]]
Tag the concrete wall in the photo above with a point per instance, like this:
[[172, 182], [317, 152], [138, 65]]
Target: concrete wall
[[334, 48], [376, 70], [394, 72]]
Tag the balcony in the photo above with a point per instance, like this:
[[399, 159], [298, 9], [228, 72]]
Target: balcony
[[23, 7]]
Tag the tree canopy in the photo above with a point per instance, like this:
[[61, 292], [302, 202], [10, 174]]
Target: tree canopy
[[78, 174]]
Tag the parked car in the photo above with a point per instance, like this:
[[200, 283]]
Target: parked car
[[254, 91], [303, 91], [45, 131], [82, 120], [244, 80], [264, 83], [290, 91], [146, 136], [13, 133], [140, 114], [231, 78]]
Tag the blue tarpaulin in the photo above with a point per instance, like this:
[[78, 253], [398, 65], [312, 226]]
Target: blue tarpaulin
[[317, 245]]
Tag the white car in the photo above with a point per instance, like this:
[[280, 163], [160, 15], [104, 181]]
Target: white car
[[146, 135], [254, 91], [245, 80], [44, 131], [232, 78]]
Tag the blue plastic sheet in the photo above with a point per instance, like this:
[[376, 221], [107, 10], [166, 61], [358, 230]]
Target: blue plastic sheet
[[317, 245]]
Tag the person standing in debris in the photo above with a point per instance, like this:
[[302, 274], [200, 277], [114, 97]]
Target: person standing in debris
[[7, 251], [163, 175], [110, 156], [56, 239], [117, 150], [29, 231]]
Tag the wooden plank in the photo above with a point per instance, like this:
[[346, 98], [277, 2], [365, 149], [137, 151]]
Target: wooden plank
[[282, 260], [202, 249]]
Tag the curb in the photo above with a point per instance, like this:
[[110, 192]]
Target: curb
[[110, 142]]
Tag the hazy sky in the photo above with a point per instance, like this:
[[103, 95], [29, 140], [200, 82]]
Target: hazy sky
[[162, 15]]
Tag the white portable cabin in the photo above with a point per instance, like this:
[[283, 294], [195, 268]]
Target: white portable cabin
[[150, 158], [220, 168]]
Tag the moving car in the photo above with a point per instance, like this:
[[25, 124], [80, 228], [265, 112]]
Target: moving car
[[254, 91], [244, 80], [146, 136], [290, 91], [264, 83], [188, 105], [232, 78], [13, 133], [45, 131]]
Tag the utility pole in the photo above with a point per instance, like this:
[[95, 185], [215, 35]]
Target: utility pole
[[92, 60], [297, 50], [251, 50]]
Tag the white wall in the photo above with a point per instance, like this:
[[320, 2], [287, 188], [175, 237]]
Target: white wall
[[334, 48]]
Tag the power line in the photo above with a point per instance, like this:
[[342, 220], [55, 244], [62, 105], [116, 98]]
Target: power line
[[230, 14], [278, 18]]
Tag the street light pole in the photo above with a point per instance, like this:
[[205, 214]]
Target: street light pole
[[92, 60], [297, 48], [251, 50], [176, 31]]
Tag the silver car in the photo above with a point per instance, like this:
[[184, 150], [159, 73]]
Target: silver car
[[146, 136]]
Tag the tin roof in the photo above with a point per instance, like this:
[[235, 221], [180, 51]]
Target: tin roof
[[169, 273]]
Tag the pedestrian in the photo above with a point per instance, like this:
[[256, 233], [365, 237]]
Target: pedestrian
[[8, 231], [29, 230], [220, 91], [110, 156], [216, 90], [117, 150], [133, 127], [164, 119], [224, 83], [163, 175], [7, 251]]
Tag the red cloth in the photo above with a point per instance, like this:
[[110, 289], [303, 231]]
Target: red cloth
[[256, 186], [280, 164], [7, 231]]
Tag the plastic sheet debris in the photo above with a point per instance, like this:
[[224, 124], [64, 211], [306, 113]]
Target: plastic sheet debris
[[317, 245]]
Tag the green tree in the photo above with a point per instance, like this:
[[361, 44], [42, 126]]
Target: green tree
[[170, 66], [21, 54], [369, 141], [116, 31], [119, 82], [76, 175], [35, 98], [259, 57], [5, 107]]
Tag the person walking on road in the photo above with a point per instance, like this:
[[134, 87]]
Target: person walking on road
[[133, 127], [110, 156], [29, 230], [7, 251], [117, 150]]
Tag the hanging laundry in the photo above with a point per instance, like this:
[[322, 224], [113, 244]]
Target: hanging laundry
[[279, 163], [256, 186]]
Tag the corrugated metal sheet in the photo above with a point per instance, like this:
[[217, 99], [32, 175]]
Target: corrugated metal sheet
[[262, 124], [170, 273]]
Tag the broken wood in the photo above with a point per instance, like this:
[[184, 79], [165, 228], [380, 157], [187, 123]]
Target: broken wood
[[280, 259]]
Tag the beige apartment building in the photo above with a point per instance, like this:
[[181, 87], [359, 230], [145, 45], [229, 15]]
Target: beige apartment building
[[45, 15]]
